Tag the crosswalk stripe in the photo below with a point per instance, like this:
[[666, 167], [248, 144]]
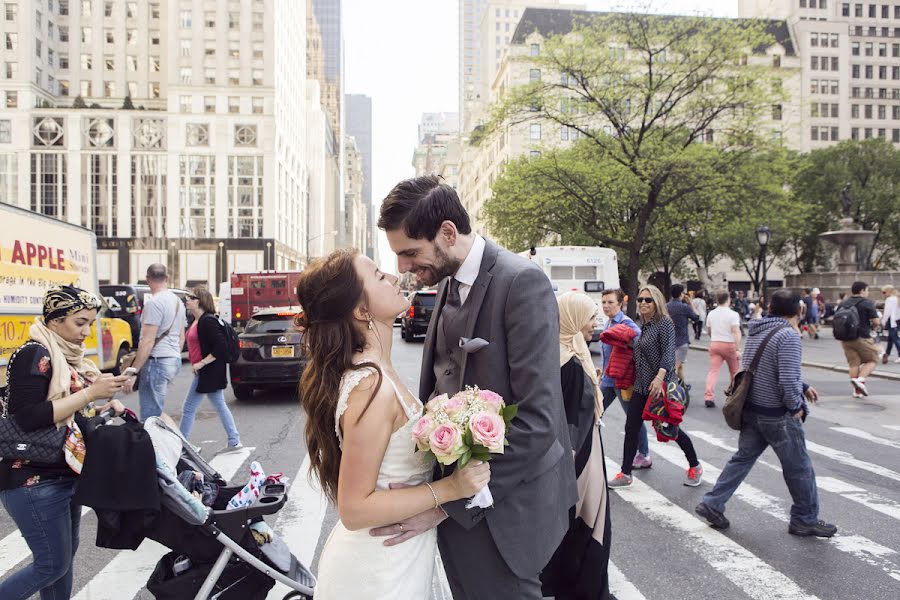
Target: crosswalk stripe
[[125, 575], [867, 436], [14, 549], [851, 461], [620, 587], [743, 568], [300, 521], [858, 546], [885, 506], [894, 427]]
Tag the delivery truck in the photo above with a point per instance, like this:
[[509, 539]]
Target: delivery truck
[[37, 252]]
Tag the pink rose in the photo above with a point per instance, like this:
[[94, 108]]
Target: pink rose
[[455, 405], [491, 399], [446, 443], [421, 431], [436, 403], [489, 430]]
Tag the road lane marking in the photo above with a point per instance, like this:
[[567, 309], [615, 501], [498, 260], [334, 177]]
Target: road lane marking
[[860, 547], [128, 572], [299, 523], [885, 506], [851, 461], [859, 433], [894, 427], [743, 568], [620, 587]]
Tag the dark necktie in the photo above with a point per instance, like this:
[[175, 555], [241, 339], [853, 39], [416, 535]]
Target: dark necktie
[[451, 306]]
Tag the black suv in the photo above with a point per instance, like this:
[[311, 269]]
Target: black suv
[[126, 302], [271, 353], [415, 320]]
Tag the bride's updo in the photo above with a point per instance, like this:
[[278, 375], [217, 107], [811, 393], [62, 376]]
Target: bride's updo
[[328, 291]]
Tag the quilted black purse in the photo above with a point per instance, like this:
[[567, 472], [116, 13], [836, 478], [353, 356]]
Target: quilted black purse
[[44, 445]]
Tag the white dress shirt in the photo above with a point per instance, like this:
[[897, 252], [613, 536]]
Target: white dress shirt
[[468, 271]]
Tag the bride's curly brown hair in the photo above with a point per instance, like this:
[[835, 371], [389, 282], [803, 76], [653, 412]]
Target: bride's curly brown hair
[[328, 291]]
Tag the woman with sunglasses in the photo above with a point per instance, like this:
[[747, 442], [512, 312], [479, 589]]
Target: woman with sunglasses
[[208, 352], [654, 361]]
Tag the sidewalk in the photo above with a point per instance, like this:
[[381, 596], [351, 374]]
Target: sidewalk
[[826, 353]]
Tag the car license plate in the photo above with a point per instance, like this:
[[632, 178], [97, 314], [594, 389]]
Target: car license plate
[[283, 351]]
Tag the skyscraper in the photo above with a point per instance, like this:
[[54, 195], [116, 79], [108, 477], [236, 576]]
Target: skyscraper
[[358, 110]]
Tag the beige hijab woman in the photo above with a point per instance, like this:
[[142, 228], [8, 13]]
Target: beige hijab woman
[[575, 310]]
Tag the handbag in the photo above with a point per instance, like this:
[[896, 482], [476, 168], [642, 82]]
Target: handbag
[[44, 445], [737, 393]]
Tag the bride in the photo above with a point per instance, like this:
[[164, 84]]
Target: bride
[[358, 433]]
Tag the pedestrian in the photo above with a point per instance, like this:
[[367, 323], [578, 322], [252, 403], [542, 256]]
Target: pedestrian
[[811, 313], [51, 382], [208, 352], [158, 358], [699, 306], [724, 326], [773, 416], [861, 352], [579, 566], [654, 360], [612, 302], [680, 313], [890, 321]]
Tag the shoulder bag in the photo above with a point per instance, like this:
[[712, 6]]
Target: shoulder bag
[[129, 358], [44, 445], [737, 393]]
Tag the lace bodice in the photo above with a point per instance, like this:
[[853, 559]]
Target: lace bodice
[[401, 463]]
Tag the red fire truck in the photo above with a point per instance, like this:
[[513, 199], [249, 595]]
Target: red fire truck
[[253, 292]]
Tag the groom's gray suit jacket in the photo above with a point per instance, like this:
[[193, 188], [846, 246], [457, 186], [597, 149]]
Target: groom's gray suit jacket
[[511, 306]]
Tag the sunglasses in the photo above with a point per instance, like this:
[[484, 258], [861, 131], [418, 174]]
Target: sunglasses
[[190, 297], [647, 300]]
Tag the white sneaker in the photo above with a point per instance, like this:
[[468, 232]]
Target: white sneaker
[[897, 361], [860, 384]]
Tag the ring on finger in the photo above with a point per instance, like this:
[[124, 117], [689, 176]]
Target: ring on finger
[[401, 527]]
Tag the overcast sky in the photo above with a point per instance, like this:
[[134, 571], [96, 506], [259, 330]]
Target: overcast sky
[[403, 53]]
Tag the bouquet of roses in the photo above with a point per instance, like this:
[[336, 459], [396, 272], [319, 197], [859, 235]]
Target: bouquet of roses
[[471, 424]]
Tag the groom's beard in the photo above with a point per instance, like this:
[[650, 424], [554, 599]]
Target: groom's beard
[[444, 266]]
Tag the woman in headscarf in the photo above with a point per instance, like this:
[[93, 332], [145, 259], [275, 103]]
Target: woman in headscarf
[[578, 569], [51, 383]]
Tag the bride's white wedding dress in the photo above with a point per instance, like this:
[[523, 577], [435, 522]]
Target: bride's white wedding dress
[[354, 564]]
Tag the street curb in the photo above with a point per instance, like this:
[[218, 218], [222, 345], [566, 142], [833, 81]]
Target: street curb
[[826, 366]]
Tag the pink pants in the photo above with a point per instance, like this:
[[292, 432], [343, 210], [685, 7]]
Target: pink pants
[[720, 352]]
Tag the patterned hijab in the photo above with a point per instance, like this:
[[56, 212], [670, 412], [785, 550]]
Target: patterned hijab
[[65, 300]]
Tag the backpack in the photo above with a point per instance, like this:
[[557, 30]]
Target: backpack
[[845, 324], [232, 343]]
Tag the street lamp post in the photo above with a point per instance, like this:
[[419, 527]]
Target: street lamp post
[[763, 233], [221, 274], [315, 237], [267, 259]]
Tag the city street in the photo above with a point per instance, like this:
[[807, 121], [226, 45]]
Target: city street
[[660, 548]]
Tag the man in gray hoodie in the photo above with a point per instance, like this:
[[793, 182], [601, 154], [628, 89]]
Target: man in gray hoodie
[[773, 416]]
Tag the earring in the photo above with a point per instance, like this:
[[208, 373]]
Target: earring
[[371, 325]]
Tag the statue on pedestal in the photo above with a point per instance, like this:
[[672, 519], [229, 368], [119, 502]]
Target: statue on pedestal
[[846, 201]]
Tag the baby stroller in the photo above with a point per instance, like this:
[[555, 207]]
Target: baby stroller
[[214, 555]]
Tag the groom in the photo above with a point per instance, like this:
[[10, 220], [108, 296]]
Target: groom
[[495, 325]]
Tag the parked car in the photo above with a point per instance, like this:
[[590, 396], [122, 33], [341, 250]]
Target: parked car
[[126, 302], [115, 338], [415, 320], [272, 353]]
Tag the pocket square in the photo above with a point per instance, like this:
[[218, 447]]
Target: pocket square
[[473, 345]]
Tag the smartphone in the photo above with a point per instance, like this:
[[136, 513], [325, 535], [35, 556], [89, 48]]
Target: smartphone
[[129, 372]]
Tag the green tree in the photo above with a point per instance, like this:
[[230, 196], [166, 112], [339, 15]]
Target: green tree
[[872, 167], [641, 90]]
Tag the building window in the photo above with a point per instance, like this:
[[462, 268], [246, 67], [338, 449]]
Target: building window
[[12, 11], [132, 88], [184, 104], [813, 39], [49, 188], [87, 62], [535, 49], [38, 23], [776, 61], [154, 11], [854, 133], [534, 132], [131, 37], [186, 19], [854, 48], [814, 134], [234, 20], [131, 63], [834, 40], [148, 191], [154, 64], [110, 36], [534, 154], [86, 35], [87, 89], [154, 37], [12, 41], [5, 132], [185, 46], [185, 75], [209, 48], [99, 182], [834, 63], [109, 89], [257, 50], [534, 74], [209, 75], [257, 106], [154, 89], [63, 7], [867, 111], [234, 76], [37, 48], [882, 111], [814, 63], [197, 134], [234, 104], [835, 86], [196, 196], [234, 49], [38, 77], [257, 75], [110, 63], [258, 21], [12, 70], [882, 49], [209, 20], [245, 196], [777, 112], [245, 136], [63, 87], [209, 104]]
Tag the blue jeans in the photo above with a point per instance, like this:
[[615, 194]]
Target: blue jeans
[[155, 378], [49, 522], [192, 403], [610, 394], [785, 435], [893, 335]]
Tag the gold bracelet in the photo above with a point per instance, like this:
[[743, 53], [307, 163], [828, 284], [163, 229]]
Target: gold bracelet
[[433, 495]]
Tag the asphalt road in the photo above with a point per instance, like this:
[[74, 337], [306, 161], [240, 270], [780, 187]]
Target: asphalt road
[[660, 549]]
